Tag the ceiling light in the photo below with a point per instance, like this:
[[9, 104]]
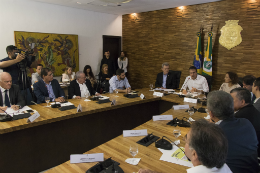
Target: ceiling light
[[78, 2], [116, 1]]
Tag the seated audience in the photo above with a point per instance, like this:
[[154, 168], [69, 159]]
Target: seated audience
[[240, 133], [68, 75], [37, 75], [231, 82], [165, 79], [248, 84], [206, 146], [256, 92], [89, 75], [105, 77], [48, 87], [80, 87], [195, 82], [122, 62], [244, 109], [119, 82], [11, 96]]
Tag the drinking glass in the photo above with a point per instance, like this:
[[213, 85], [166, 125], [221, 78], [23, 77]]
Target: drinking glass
[[116, 91], [191, 111], [47, 100], [176, 132], [151, 87], [133, 150]]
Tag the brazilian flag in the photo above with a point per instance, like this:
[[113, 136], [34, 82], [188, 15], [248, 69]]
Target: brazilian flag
[[207, 64], [197, 62]]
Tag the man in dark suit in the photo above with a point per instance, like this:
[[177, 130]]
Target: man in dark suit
[[166, 79], [81, 87], [256, 91], [10, 94], [244, 109], [240, 133], [248, 81], [48, 87]]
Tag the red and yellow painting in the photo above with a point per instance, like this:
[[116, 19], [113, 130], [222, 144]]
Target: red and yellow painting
[[55, 51]]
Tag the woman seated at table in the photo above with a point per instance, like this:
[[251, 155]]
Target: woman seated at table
[[231, 82], [105, 77], [68, 75], [89, 75]]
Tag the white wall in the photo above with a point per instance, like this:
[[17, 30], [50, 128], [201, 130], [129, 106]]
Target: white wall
[[25, 15]]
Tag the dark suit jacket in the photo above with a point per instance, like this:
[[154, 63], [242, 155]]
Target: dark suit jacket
[[253, 115], [40, 90], [75, 90], [242, 145], [170, 81], [15, 96]]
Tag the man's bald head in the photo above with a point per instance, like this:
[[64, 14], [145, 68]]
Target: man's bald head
[[5, 80]]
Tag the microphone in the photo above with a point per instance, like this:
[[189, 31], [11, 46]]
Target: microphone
[[186, 82], [6, 117], [34, 102], [54, 105]]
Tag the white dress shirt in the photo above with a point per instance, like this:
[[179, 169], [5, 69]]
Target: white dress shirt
[[200, 83], [256, 99], [226, 88], [83, 90], [124, 63], [3, 95], [204, 169]]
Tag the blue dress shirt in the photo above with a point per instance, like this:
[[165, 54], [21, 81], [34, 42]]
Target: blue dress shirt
[[164, 80], [50, 91], [116, 84]]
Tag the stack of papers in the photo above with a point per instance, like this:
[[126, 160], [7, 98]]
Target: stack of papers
[[176, 156], [12, 112]]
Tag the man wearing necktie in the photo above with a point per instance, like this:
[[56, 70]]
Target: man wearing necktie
[[10, 94]]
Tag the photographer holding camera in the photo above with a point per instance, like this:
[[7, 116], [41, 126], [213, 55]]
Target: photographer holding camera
[[15, 64]]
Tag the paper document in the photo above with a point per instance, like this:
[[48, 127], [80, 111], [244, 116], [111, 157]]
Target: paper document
[[12, 112], [63, 104], [176, 156]]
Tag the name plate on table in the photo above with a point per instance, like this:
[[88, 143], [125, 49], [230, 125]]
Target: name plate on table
[[81, 158], [33, 117], [190, 100], [158, 94], [128, 133], [162, 117], [142, 96], [177, 107]]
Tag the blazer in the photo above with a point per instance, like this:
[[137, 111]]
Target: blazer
[[75, 90], [253, 115], [170, 80], [257, 105], [15, 96], [253, 99], [40, 90], [242, 145]]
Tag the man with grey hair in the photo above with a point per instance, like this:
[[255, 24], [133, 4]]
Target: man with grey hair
[[206, 146], [166, 79], [10, 94], [244, 109], [240, 133], [81, 87]]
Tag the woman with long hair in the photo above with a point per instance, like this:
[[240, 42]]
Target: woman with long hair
[[89, 75], [68, 75], [105, 77], [123, 62]]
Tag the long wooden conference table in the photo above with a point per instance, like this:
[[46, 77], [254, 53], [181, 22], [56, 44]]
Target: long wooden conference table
[[50, 139]]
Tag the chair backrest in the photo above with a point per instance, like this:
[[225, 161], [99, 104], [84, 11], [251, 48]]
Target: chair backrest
[[177, 74], [209, 80]]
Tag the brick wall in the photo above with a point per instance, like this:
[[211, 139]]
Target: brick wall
[[170, 36]]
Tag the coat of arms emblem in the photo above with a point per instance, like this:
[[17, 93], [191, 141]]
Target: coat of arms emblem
[[230, 34]]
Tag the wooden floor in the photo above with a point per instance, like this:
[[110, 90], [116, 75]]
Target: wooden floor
[[118, 148], [49, 141]]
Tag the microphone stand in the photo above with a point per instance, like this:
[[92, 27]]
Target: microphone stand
[[6, 117]]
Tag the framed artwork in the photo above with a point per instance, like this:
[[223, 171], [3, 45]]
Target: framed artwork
[[55, 51]]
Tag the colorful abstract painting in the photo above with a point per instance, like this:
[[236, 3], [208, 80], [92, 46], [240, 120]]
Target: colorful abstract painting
[[55, 51]]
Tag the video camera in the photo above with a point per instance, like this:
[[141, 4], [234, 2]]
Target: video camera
[[27, 56]]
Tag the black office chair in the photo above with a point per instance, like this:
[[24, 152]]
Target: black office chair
[[209, 80], [178, 78]]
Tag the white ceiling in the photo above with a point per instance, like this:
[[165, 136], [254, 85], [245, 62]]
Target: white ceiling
[[135, 6]]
